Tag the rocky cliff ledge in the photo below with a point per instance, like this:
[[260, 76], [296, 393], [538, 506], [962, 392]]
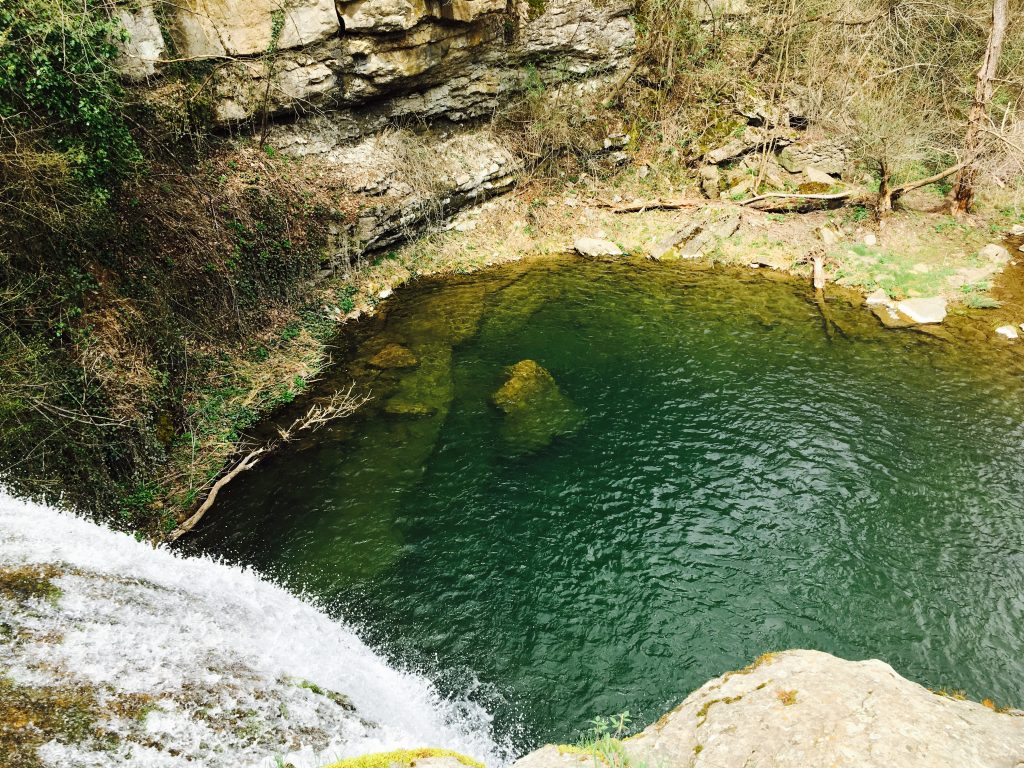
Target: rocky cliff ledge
[[810, 709], [322, 79]]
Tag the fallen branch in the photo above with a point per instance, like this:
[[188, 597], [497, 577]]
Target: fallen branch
[[639, 206], [340, 405], [911, 186], [796, 196], [797, 203], [251, 460]]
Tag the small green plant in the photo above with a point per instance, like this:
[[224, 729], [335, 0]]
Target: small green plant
[[603, 742], [976, 301], [857, 214]]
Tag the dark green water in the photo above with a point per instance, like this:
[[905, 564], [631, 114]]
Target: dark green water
[[740, 482]]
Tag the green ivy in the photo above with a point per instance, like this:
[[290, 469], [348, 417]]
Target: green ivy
[[59, 88]]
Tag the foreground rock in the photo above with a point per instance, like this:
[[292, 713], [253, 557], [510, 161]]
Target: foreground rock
[[806, 708], [595, 248], [535, 409], [922, 311]]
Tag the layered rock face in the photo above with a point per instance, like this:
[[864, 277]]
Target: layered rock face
[[348, 70], [805, 708]]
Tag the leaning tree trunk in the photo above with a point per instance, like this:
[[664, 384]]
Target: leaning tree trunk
[[963, 190]]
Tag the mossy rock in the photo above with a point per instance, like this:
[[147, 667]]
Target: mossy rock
[[406, 758], [394, 356], [527, 382], [814, 188], [535, 409]]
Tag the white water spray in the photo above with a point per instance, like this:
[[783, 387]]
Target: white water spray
[[235, 671]]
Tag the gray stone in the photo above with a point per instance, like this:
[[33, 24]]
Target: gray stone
[[828, 156], [595, 247], [817, 176], [806, 708], [878, 297], [1008, 331], [927, 310], [710, 178], [828, 235], [395, 58], [1017, 230], [750, 139], [994, 252], [698, 237], [145, 45]]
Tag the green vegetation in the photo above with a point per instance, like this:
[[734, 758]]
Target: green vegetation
[[64, 136], [126, 303], [603, 741], [403, 758]]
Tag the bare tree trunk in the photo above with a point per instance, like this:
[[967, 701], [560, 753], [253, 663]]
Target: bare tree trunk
[[884, 205], [963, 190]]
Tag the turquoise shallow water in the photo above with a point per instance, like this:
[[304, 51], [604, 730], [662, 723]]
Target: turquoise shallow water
[[740, 481]]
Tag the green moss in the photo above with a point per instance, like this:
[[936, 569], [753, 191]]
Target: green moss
[[536, 8], [403, 758], [338, 698], [30, 716], [788, 698], [702, 713], [30, 581]]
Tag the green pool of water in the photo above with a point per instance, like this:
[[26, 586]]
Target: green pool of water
[[734, 477]]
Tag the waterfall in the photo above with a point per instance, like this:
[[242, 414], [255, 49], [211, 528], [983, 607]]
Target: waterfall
[[184, 661]]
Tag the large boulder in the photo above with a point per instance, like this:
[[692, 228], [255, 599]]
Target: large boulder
[[535, 409], [829, 156], [806, 708]]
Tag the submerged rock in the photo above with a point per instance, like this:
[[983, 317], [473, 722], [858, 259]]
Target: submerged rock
[[806, 708], [394, 356], [535, 409], [398, 407]]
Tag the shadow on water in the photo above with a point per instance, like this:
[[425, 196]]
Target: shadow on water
[[738, 481]]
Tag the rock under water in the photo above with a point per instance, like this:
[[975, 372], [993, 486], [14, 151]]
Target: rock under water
[[535, 409]]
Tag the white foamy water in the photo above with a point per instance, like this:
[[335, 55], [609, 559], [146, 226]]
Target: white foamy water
[[235, 670]]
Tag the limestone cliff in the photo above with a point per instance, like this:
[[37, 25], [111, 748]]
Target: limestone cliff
[[330, 77], [806, 708]]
